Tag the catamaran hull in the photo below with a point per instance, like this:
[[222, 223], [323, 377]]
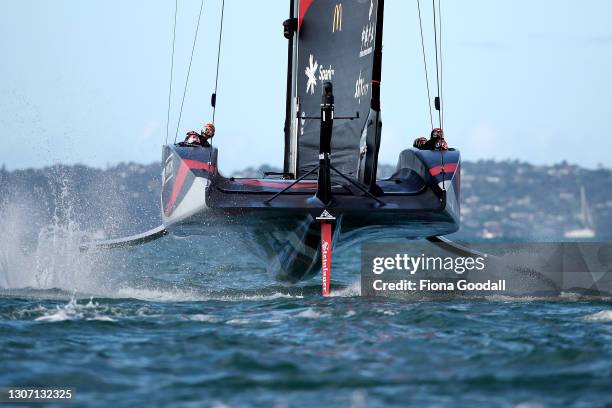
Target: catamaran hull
[[284, 232]]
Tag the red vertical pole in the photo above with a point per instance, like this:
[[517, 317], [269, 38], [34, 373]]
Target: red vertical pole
[[326, 254]]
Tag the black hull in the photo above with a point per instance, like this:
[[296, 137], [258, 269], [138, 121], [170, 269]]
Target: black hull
[[420, 200]]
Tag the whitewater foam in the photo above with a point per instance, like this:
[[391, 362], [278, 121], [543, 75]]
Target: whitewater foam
[[157, 295], [603, 316], [188, 295], [45, 256], [238, 321], [386, 312], [352, 290], [309, 313], [203, 318], [91, 311]]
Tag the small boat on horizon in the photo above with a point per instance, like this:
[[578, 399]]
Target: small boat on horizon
[[586, 221]]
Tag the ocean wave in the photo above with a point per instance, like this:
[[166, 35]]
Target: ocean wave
[[91, 311], [603, 316], [249, 297], [203, 318], [157, 295], [193, 295], [238, 321], [352, 290], [561, 297], [310, 313]]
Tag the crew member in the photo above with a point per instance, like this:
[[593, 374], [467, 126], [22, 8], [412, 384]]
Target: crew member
[[202, 138], [435, 142], [193, 138], [207, 133]]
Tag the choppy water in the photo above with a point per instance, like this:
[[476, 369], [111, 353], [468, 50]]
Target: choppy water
[[194, 322]]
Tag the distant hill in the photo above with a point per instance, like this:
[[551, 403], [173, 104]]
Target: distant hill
[[507, 199]]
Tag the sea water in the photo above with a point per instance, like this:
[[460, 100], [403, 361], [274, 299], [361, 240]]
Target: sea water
[[197, 321]]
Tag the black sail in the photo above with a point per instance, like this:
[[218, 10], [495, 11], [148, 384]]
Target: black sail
[[337, 42]]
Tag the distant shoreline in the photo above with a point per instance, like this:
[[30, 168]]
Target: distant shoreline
[[499, 199]]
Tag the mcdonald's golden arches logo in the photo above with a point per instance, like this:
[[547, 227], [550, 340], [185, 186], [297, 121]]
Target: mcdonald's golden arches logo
[[337, 19]]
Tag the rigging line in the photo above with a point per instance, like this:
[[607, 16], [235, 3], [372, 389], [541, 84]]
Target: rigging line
[[218, 57], [210, 150], [195, 39], [425, 64], [439, 84], [171, 71], [433, 3], [441, 66]]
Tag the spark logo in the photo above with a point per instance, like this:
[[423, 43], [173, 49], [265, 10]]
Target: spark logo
[[311, 72], [324, 74]]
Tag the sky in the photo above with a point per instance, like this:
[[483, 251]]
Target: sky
[[87, 81]]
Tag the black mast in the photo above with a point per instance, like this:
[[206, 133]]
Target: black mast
[[327, 124], [289, 29], [377, 67]]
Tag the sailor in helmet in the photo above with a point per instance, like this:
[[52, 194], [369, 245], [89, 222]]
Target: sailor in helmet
[[202, 138], [436, 141]]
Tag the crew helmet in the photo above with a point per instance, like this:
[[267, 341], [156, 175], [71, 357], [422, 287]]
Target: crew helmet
[[437, 133], [192, 137], [208, 130]]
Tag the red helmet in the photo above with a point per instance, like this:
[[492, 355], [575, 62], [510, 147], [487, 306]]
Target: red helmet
[[192, 137], [437, 133], [208, 130], [419, 142], [441, 145]]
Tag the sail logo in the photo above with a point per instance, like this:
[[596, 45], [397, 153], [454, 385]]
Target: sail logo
[[367, 39], [302, 123], [315, 72], [361, 87], [337, 18], [325, 215], [168, 171], [326, 74], [311, 72], [324, 262]]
